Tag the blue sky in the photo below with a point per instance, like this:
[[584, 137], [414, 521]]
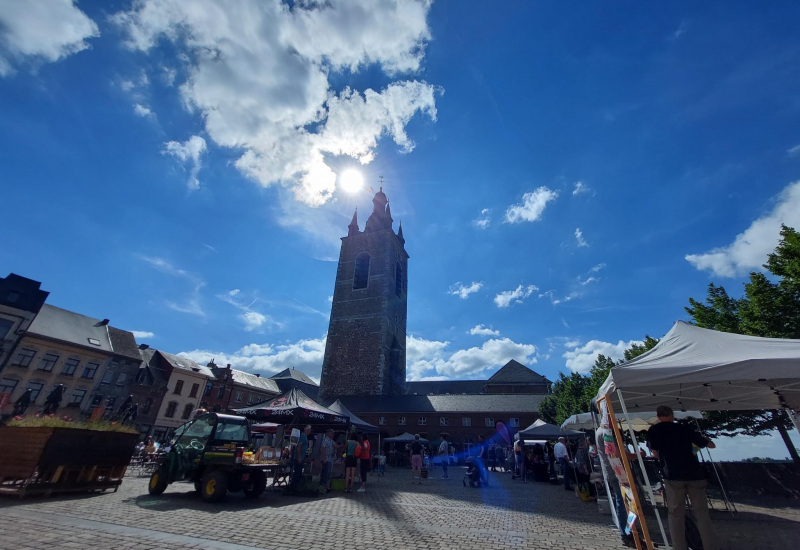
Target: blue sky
[[567, 174]]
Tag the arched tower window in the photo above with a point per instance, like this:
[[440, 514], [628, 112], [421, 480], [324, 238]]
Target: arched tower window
[[361, 275], [398, 279]]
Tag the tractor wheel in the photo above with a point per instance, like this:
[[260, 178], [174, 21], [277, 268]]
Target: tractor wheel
[[256, 486], [158, 482], [214, 486]]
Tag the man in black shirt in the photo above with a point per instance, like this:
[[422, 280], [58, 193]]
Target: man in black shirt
[[672, 444]]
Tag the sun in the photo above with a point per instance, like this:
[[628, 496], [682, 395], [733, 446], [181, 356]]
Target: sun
[[351, 180]]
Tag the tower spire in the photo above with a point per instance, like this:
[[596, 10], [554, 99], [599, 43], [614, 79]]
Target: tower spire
[[400, 233], [352, 229]]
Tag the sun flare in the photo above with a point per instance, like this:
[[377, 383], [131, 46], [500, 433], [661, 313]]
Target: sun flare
[[351, 180]]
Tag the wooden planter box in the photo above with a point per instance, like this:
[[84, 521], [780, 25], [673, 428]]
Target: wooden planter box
[[54, 460]]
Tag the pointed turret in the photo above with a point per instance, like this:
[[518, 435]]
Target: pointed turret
[[379, 220], [352, 229], [400, 233], [389, 213]]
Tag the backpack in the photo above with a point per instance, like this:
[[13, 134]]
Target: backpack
[[357, 452]]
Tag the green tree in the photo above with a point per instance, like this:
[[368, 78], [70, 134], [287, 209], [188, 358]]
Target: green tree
[[573, 394], [770, 309]]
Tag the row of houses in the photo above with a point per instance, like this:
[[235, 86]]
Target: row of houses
[[103, 369]]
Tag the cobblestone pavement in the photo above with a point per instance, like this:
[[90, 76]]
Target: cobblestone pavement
[[392, 514]]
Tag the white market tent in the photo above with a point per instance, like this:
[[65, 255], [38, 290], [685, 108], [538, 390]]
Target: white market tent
[[639, 421], [694, 368]]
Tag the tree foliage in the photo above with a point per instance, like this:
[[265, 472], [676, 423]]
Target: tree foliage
[[770, 307], [573, 394]]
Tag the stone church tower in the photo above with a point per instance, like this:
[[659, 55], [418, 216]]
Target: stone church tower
[[365, 353]]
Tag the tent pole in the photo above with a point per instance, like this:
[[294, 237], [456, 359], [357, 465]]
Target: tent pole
[[728, 503], [611, 497], [631, 482], [644, 470]]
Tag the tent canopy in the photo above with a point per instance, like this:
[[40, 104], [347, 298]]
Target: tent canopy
[[701, 369], [640, 421], [338, 407], [404, 438], [293, 407], [541, 430]]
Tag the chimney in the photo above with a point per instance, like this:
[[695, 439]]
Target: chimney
[[258, 375], [143, 347]]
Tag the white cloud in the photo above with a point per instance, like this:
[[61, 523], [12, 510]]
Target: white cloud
[[582, 358], [193, 303], [462, 291], [750, 249], [144, 112], [533, 204], [518, 295], [428, 359], [484, 219], [188, 153], [579, 237], [580, 188], [41, 31], [794, 151], [142, 334], [551, 294], [259, 74], [480, 330], [304, 355], [597, 268], [253, 320], [588, 280]]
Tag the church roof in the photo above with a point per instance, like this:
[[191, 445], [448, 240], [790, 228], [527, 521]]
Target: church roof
[[255, 381], [514, 372], [442, 387], [481, 403]]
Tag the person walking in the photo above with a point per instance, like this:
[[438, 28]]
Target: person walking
[[326, 457], [351, 455], [671, 444], [444, 455], [416, 460], [366, 457], [298, 460], [562, 457]]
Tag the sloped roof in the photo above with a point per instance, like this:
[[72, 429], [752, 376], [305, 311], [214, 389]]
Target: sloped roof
[[67, 326], [480, 403], [254, 381], [441, 387], [293, 374], [152, 366], [185, 364], [514, 372]]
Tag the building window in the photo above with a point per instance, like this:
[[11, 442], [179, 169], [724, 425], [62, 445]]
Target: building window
[[49, 361], [97, 399], [110, 401], [171, 408], [5, 327], [108, 377], [398, 279], [193, 391], [178, 387], [7, 385], [466, 421], [382, 420], [361, 275], [513, 422], [37, 389], [221, 392], [148, 404], [24, 357], [489, 422], [187, 411], [238, 397], [422, 421], [76, 398], [401, 420], [207, 391], [121, 379], [71, 364], [443, 421], [90, 370]]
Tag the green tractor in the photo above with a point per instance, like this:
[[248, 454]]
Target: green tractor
[[208, 452]]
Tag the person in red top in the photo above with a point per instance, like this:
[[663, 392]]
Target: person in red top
[[365, 462]]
